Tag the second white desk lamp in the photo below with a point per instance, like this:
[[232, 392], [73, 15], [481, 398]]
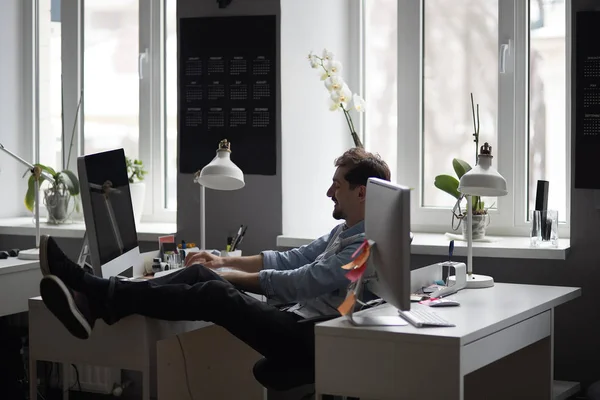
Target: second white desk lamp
[[220, 174], [482, 180]]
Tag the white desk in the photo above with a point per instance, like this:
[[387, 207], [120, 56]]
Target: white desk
[[129, 344], [19, 280], [501, 347]]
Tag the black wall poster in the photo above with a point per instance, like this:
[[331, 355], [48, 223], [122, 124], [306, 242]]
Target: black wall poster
[[227, 90], [587, 106]]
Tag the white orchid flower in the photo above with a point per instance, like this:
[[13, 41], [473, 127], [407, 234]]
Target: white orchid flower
[[327, 55], [334, 83], [334, 67], [359, 103], [324, 76], [333, 106], [342, 96]]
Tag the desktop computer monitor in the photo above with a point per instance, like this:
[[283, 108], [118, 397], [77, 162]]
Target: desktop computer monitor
[[108, 214], [387, 223]]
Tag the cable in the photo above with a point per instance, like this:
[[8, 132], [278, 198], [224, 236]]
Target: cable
[[187, 379], [77, 376]]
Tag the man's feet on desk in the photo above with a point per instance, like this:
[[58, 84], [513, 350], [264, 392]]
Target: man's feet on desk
[[70, 307], [54, 262]]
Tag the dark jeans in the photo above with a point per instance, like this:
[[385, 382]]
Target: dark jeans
[[197, 293]]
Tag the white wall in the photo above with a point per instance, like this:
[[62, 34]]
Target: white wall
[[12, 106], [312, 136]]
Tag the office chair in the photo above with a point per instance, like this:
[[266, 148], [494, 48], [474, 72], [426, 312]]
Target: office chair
[[275, 376]]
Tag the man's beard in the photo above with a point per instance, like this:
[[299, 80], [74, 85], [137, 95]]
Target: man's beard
[[337, 213]]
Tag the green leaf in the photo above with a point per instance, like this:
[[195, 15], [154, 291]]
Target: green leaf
[[460, 167], [30, 195], [448, 184], [71, 182], [47, 169]]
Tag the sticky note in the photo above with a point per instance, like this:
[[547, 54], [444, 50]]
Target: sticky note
[[360, 260], [356, 273], [348, 304]]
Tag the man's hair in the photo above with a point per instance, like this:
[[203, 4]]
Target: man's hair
[[362, 165]]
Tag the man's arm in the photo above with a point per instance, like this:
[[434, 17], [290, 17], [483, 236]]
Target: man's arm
[[309, 281], [249, 264], [243, 280], [295, 258]]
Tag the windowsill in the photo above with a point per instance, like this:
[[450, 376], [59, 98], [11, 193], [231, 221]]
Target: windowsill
[[25, 226], [437, 244]]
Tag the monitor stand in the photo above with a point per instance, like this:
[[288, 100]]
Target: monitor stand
[[376, 320]]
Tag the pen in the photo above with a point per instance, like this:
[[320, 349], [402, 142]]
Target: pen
[[229, 242], [240, 238], [236, 237]]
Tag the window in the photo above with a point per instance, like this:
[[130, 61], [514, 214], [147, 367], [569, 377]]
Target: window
[[49, 83], [170, 154], [445, 52], [120, 56], [110, 71]]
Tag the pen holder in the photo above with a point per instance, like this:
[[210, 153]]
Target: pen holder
[[235, 253], [544, 228]]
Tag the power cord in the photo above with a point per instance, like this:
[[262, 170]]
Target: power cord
[[185, 366]]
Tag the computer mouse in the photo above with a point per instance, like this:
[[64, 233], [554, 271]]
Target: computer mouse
[[3, 254], [443, 303], [13, 252]]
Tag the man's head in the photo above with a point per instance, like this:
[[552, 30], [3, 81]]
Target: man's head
[[348, 189]]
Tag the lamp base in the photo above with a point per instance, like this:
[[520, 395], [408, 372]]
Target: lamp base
[[474, 281], [29, 254]]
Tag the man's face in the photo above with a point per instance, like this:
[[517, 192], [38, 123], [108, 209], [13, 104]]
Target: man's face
[[344, 198]]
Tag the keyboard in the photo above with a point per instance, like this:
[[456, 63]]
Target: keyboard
[[421, 318]]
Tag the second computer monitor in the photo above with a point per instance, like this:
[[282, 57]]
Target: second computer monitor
[[387, 223], [108, 214]]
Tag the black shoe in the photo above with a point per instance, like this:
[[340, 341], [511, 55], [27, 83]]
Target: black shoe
[[71, 308], [54, 262]]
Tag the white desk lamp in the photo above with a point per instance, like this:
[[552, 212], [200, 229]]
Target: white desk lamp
[[220, 174], [32, 254], [482, 180]]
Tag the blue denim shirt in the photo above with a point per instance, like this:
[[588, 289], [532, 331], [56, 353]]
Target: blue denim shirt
[[312, 274]]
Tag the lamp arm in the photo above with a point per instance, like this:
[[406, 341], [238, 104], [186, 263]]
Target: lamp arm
[[29, 165]]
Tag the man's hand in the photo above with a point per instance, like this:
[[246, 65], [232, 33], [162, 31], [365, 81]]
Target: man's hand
[[207, 259]]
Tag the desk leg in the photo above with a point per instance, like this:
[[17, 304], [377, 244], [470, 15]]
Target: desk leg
[[32, 378], [146, 384]]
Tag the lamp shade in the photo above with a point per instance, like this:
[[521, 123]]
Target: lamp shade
[[221, 173], [483, 179]]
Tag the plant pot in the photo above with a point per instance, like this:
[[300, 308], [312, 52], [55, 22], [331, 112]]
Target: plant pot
[[57, 204], [479, 223], [138, 198]]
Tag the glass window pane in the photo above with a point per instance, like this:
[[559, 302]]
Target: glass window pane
[[547, 103], [170, 151], [381, 73], [111, 82], [460, 57], [50, 98]]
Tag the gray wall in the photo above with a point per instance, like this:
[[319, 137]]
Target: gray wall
[[258, 204], [577, 331]]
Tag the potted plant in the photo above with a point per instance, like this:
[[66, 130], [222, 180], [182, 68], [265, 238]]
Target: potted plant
[[135, 174], [57, 195], [449, 184]]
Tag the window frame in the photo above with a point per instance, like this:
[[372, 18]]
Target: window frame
[[513, 118], [151, 92]]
